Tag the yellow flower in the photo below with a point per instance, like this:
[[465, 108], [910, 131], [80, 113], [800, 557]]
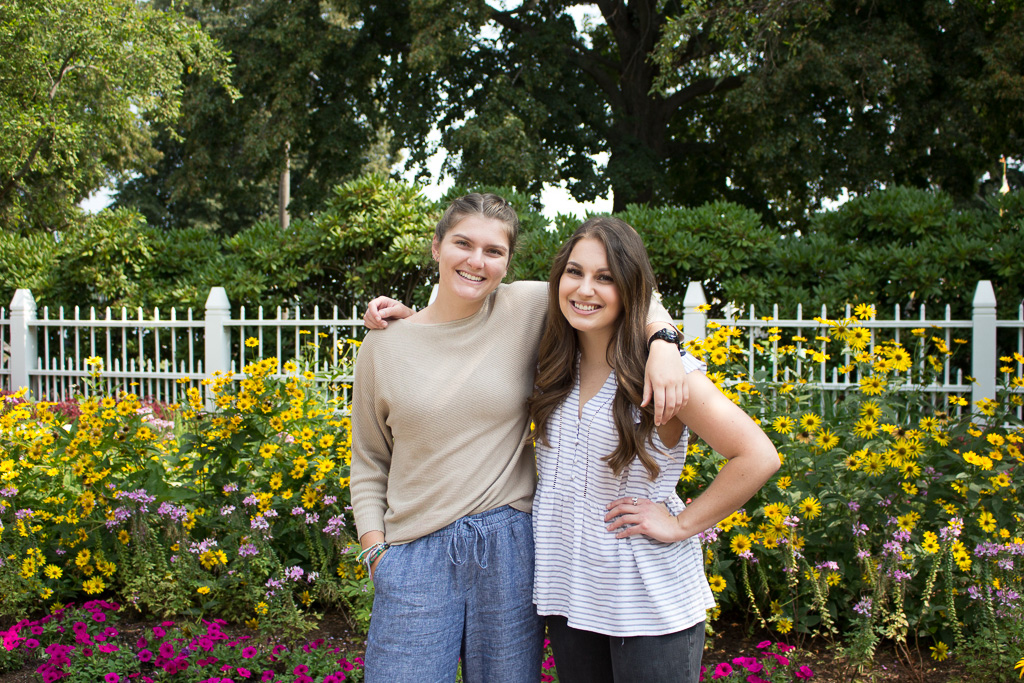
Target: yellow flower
[[930, 544], [252, 342], [900, 358], [810, 507], [203, 590], [940, 652], [866, 427], [783, 424], [870, 409], [827, 440], [864, 311], [93, 586], [872, 386], [986, 521], [784, 482], [740, 544], [784, 625], [53, 571], [717, 583], [809, 422], [261, 607], [908, 521]]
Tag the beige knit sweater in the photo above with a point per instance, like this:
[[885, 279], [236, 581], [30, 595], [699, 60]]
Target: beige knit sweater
[[439, 418]]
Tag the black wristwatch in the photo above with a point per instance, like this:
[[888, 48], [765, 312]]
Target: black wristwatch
[[669, 334]]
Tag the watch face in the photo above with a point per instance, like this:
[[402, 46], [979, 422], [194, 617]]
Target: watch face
[[668, 335]]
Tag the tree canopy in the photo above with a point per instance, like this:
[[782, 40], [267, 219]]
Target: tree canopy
[[85, 85], [776, 104], [307, 71]]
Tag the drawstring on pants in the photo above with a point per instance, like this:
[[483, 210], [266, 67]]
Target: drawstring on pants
[[458, 539]]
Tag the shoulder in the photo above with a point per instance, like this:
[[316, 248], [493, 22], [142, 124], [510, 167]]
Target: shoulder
[[524, 291]]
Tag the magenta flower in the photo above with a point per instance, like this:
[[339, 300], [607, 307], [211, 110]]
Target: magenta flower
[[243, 672], [300, 669], [248, 652], [31, 644], [100, 617], [145, 655], [111, 678], [804, 672], [166, 650], [721, 671], [141, 643], [159, 632], [763, 644]]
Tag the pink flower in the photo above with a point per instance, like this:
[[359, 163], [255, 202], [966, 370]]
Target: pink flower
[[300, 669], [243, 672], [159, 632], [111, 678], [784, 661], [754, 678], [804, 672], [166, 650], [783, 648], [747, 663], [721, 671], [145, 655], [248, 652], [763, 644]]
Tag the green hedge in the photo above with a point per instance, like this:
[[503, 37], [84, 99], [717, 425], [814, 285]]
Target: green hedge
[[896, 246]]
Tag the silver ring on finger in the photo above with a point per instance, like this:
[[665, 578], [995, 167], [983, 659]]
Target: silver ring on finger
[[635, 499]]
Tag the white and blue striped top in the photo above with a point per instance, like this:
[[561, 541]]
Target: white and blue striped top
[[634, 586]]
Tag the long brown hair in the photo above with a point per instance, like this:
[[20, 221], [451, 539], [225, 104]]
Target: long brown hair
[[627, 352]]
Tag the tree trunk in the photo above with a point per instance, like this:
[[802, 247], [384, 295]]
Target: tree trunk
[[284, 188]]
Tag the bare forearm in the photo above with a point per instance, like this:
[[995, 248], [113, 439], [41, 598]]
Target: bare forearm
[[371, 538], [736, 483]]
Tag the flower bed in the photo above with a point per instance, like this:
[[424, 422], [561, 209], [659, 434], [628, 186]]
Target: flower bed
[[891, 519]]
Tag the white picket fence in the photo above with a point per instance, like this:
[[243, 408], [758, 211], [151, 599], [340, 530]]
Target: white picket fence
[[161, 356]]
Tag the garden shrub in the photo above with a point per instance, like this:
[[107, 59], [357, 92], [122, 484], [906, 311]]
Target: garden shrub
[[241, 513], [893, 517]]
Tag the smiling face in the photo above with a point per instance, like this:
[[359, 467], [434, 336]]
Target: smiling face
[[587, 294], [472, 258]]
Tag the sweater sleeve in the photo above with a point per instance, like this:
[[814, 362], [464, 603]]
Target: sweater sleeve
[[371, 447], [657, 312]]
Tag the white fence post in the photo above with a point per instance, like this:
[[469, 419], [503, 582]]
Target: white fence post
[[217, 337], [694, 321], [23, 338], [983, 343]]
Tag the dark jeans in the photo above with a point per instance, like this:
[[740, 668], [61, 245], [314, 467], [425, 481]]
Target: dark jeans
[[586, 657]]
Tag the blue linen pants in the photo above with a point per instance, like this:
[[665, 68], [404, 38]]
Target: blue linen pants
[[463, 591]]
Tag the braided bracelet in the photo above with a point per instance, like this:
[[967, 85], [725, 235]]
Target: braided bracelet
[[368, 555]]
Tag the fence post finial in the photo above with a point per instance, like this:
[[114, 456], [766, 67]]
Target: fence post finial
[[217, 337], [983, 344], [23, 338], [694, 319]]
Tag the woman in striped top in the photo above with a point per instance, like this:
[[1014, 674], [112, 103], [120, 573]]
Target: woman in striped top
[[619, 570]]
